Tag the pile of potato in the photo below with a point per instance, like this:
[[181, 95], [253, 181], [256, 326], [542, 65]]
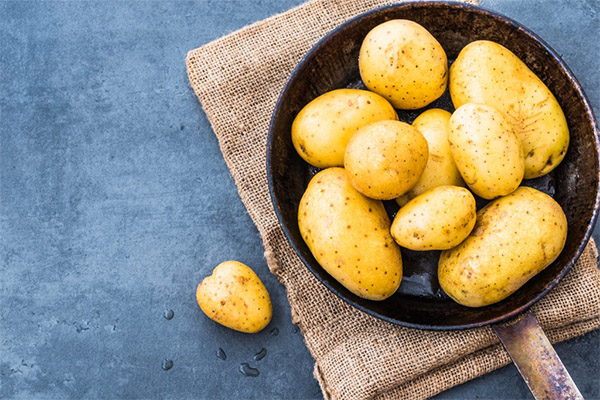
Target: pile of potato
[[507, 127]]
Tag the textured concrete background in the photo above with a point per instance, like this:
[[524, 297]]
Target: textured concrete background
[[115, 202]]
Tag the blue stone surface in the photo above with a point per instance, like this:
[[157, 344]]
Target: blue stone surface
[[115, 202]]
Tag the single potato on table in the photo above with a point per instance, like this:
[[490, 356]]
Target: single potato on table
[[235, 297], [438, 219], [322, 129], [515, 238], [404, 63], [488, 73], [486, 150], [385, 159], [434, 125], [349, 235]]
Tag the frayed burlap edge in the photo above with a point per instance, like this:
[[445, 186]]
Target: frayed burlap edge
[[237, 79]]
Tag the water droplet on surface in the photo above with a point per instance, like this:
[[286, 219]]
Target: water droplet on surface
[[247, 370], [221, 354], [169, 314], [167, 364], [274, 332], [260, 355]]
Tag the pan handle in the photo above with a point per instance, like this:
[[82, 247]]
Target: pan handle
[[535, 358]]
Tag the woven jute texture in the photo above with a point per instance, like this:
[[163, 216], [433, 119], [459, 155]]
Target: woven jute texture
[[237, 79]]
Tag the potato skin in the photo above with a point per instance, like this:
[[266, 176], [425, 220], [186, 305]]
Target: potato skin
[[434, 125], [322, 129], [234, 296], [438, 219], [385, 159], [349, 235], [486, 151], [404, 63], [515, 238], [488, 73]]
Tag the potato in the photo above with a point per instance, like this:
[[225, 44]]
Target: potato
[[438, 219], [488, 73], [487, 152], [434, 125], [349, 235], [404, 63], [385, 159], [515, 238], [322, 129], [235, 297]]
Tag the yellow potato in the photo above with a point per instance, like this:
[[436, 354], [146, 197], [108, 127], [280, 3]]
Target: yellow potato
[[487, 152], [434, 125], [438, 219], [385, 159], [488, 73], [515, 238], [349, 235], [235, 297], [404, 63], [322, 129]]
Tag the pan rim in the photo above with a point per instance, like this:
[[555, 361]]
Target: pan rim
[[572, 79]]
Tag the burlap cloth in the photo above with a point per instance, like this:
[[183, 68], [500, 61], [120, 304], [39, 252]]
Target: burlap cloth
[[237, 79]]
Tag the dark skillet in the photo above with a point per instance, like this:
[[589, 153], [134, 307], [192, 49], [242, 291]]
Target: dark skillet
[[332, 64]]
